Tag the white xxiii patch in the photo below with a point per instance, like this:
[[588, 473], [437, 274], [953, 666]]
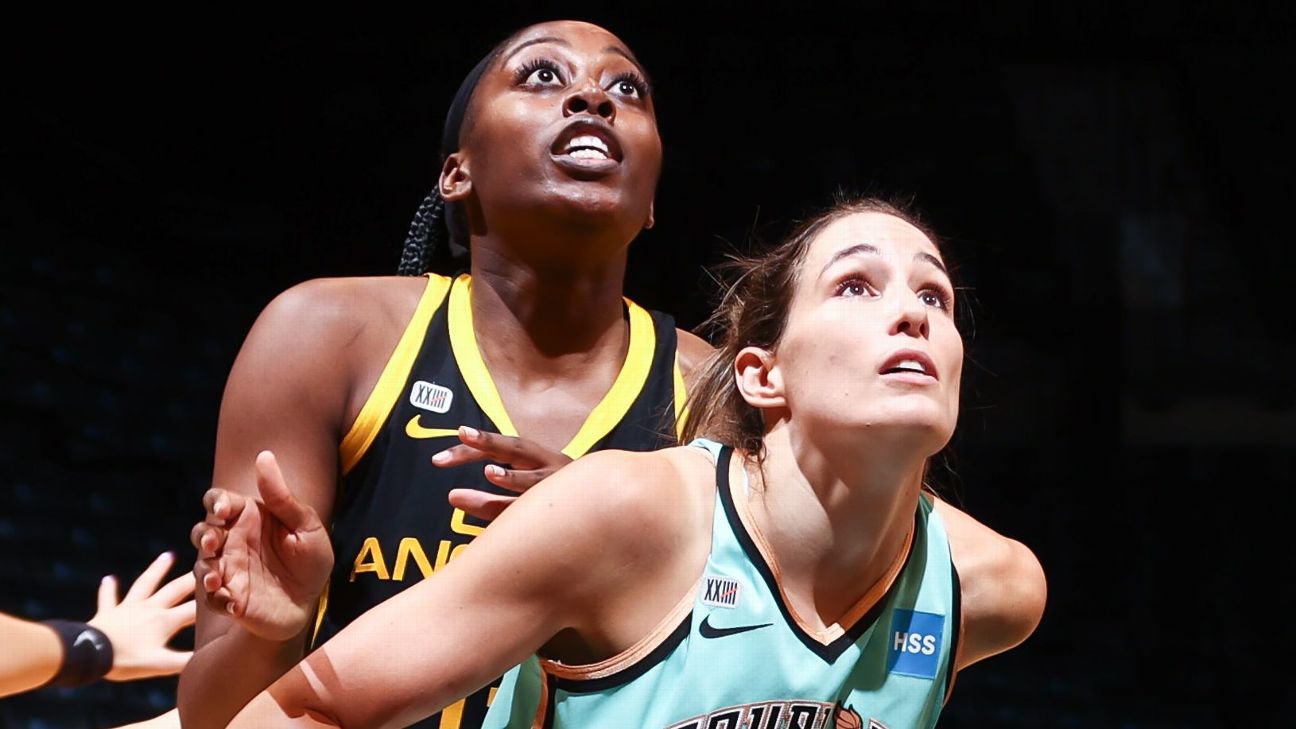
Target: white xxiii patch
[[720, 592], [431, 397]]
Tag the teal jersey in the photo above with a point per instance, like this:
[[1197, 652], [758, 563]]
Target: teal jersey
[[735, 654]]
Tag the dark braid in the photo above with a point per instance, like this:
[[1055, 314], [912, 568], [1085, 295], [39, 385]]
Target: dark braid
[[438, 234], [427, 232]]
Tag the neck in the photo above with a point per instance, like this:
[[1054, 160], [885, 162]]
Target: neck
[[530, 313], [835, 517]]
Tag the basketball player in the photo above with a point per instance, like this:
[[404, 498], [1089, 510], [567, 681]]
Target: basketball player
[[551, 156], [787, 569]]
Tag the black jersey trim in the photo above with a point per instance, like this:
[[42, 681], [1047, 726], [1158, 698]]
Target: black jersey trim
[[956, 621], [829, 652], [629, 673]]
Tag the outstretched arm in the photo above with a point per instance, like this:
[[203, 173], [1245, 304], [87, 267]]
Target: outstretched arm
[[559, 559], [137, 629]]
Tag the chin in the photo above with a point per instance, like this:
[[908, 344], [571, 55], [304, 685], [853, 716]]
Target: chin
[[923, 423]]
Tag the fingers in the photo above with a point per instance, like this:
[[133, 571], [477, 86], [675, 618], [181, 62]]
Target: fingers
[[459, 455], [181, 616], [517, 452], [479, 503], [146, 584], [218, 598], [223, 506], [176, 590], [209, 540], [208, 576], [169, 662], [107, 593], [514, 480], [279, 499]]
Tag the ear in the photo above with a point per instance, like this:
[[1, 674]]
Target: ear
[[759, 379], [648, 224], [456, 179]]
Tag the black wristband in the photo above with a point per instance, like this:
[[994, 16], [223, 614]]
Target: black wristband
[[87, 654]]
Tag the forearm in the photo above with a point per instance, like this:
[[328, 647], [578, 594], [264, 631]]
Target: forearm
[[264, 712], [31, 657], [226, 673]]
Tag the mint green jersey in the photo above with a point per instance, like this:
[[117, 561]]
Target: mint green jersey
[[735, 655]]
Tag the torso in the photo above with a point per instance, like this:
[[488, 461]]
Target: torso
[[734, 653], [392, 524]]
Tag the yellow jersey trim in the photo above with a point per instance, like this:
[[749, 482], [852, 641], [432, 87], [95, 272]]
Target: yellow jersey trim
[[392, 380], [681, 399], [627, 386], [320, 609], [610, 410], [463, 344]]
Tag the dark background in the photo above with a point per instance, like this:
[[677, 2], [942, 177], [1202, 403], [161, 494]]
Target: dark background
[[1112, 178]]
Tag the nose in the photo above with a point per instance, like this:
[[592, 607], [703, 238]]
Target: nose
[[589, 98], [911, 316]]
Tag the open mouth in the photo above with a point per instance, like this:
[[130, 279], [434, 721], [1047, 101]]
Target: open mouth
[[587, 142], [909, 362]]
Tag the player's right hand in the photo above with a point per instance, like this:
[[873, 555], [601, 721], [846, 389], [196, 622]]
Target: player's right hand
[[263, 561]]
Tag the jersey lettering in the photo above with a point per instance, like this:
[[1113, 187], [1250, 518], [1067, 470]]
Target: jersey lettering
[[370, 558], [764, 715]]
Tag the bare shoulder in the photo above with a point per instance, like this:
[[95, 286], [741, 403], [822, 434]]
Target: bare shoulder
[[346, 303], [666, 493], [1002, 582], [305, 357], [693, 352]]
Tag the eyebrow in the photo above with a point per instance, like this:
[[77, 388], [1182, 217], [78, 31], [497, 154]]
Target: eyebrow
[[865, 248], [628, 56], [533, 41], [555, 39]]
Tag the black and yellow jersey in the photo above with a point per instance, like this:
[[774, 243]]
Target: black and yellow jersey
[[392, 524]]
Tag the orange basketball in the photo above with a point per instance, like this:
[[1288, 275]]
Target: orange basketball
[[848, 719]]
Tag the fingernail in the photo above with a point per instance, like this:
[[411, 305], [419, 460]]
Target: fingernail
[[441, 457], [470, 432], [495, 470], [230, 608]]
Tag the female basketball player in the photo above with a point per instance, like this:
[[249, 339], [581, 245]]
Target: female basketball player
[[788, 571], [551, 158]]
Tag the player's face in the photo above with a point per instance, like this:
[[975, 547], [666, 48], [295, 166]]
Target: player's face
[[870, 340], [563, 122]]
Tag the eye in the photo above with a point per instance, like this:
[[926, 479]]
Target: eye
[[539, 72], [854, 286], [936, 298], [630, 85]]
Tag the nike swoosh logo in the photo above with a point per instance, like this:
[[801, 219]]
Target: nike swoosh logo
[[707, 630], [414, 430], [85, 637]]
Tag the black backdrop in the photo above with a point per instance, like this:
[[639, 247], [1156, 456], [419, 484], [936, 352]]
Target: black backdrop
[[1111, 177]]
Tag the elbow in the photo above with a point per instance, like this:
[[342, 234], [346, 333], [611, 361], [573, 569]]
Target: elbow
[[1024, 593], [1003, 603]]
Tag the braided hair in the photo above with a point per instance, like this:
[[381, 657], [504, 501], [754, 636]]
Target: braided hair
[[437, 233], [427, 232]]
